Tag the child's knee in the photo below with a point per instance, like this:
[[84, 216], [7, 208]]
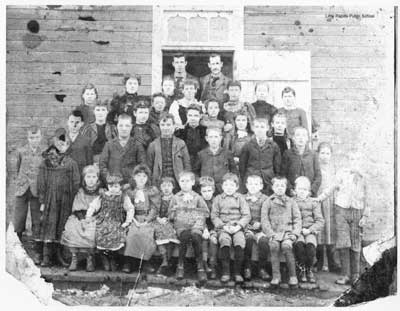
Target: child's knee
[[287, 246], [274, 246]]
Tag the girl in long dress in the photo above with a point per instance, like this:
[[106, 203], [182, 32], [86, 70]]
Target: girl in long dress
[[140, 242], [79, 233]]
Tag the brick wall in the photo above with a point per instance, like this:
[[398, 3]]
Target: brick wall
[[75, 45], [352, 84]]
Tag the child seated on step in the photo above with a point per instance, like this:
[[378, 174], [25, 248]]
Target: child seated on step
[[281, 223], [189, 212], [113, 212]]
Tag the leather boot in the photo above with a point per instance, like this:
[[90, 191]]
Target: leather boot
[[276, 269], [201, 274], [106, 262], [164, 265], [310, 275], [302, 273], [90, 262], [74, 261], [239, 254], [180, 270], [113, 262], [225, 262], [46, 255], [213, 271], [355, 258]]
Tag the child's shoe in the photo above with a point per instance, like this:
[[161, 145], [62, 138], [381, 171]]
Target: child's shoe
[[302, 274], [37, 256], [264, 275], [344, 280], [213, 272], [310, 276], [238, 278], [74, 262], [90, 263], [180, 271], [207, 267], [106, 262], [46, 256], [293, 281], [275, 281], [325, 268], [201, 275], [247, 274], [225, 278]]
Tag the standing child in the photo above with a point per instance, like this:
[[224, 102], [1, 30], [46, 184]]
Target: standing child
[[113, 212], [158, 108], [301, 161], [165, 234], [79, 233], [100, 131], [230, 215], [143, 131], [29, 158], [312, 223], [351, 212], [213, 117], [167, 156], [279, 133], [58, 182], [214, 161], [168, 90], [124, 103], [89, 98], [179, 108], [253, 233], [262, 108], [193, 134], [210, 242], [140, 242], [122, 154], [260, 156], [295, 116], [239, 135], [188, 212], [327, 239], [80, 148], [231, 107], [281, 223]]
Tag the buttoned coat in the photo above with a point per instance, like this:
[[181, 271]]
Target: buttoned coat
[[218, 92], [180, 158]]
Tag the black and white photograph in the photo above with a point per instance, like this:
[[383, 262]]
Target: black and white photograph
[[200, 154]]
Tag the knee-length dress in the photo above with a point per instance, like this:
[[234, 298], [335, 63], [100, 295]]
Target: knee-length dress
[[110, 212], [140, 239], [80, 233], [164, 233], [328, 233], [57, 186]]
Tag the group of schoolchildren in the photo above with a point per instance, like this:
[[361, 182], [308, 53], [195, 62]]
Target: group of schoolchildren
[[192, 173]]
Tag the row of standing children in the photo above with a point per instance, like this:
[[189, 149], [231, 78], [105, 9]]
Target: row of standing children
[[59, 169]]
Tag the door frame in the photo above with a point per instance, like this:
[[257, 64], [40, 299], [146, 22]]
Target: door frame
[[158, 45]]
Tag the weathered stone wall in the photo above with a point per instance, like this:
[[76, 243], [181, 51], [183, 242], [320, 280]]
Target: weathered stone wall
[[352, 84]]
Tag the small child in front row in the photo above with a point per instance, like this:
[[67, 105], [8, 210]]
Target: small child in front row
[[164, 232], [188, 212], [113, 211], [230, 215], [253, 233], [210, 242], [312, 224], [351, 212], [281, 223]]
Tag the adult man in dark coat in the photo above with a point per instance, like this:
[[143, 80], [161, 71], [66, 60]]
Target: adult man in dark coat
[[214, 85], [180, 74]]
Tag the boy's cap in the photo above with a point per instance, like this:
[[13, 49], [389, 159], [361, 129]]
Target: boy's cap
[[114, 179]]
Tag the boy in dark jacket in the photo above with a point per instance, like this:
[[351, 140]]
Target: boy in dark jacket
[[230, 215], [260, 156], [193, 134], [262, 108], [279, 132], [80, 148], [301, 161], [121, 154], [215, 161], [281, 223]]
